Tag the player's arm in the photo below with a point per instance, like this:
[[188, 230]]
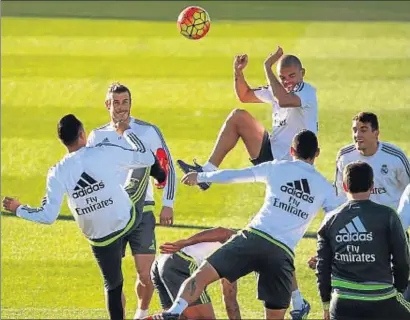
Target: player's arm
[[403, 172], [338, 183], [229, 297], [257, 173], [218, 234], [157, 142], [331, 200], [242, 89], [399, 252], [404, 208], [50, 207], [324, 266]]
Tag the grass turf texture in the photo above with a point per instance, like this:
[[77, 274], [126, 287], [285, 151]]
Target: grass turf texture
[[54, 63]]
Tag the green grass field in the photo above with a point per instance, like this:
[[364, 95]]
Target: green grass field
[[59, 58]]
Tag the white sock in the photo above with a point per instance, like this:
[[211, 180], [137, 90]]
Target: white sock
[[139, 314], [179, 306], [297, 300], [207, 167]]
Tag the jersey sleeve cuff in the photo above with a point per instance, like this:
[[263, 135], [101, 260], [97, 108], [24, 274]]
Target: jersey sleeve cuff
[[168, 203]]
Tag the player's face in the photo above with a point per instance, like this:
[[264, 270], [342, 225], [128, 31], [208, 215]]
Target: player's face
[[119, 106], [363, 135], [290, 76]]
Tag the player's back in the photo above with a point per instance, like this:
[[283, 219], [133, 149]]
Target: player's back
[[295, 192], [361, 239], [96, 198]]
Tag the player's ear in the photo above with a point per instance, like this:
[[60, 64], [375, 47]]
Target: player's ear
[[376, 132], [345, 188], [303, 71], [292, 151], [107, 104], [317, 153]]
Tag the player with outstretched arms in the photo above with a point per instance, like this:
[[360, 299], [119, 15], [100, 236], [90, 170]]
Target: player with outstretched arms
[[294, 108], [142, 240], [363, 255], [177, 262], [294, 194], [100, 205]]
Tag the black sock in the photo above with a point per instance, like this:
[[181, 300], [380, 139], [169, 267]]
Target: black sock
[[115, 304]]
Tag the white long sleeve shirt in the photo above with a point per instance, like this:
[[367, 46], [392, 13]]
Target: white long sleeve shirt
[[153, 139], [404, 208], [89, 177], [200, 251], [391, 170], [295, 191], [286, 122]]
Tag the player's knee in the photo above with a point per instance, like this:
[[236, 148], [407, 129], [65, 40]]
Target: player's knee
[[205, 274], [238, 115], [144, 278]]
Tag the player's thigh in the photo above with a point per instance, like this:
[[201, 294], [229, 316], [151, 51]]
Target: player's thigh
[[251, 131], [142, 240], [109, 259], [164, 297], [200, 311], [234, 259], [275, 276]]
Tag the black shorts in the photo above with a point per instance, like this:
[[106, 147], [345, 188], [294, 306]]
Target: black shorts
[[142, 238], [394, 308], [168, 272], [253, 250], [265, 154]]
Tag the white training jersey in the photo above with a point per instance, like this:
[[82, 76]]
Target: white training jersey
[[295, 191], [287, 122], [153, 138], [201, 251], [391, 171], [97, 200], [404, 208]]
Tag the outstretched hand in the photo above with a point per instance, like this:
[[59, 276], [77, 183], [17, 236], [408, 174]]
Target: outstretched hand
[[10, 204]]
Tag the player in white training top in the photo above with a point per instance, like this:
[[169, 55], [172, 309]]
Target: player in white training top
[[295, 192], [100, 205], [294, 108], [389, 163], [404, 213], [177, 262], [142, 240]]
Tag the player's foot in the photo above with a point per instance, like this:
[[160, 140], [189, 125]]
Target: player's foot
[[302, 313], [185, 167], [163, 316], [162, 157]]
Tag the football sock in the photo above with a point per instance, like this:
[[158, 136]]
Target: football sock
[[207, 167], [297, 300], [179, 306]]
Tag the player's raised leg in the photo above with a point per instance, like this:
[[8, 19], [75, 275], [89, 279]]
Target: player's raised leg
[[240, 124]]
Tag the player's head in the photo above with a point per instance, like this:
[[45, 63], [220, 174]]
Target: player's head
[[365, 130], [71, 132], [305, 146], [290, 72], [358, 178], [118, 101]]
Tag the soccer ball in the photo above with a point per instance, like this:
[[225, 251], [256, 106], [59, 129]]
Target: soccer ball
[[193, 23]]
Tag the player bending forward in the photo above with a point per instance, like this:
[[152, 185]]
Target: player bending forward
[[177, 263]]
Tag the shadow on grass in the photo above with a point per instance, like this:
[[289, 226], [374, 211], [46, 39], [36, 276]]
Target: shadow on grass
[[308, 235], [218, 10]]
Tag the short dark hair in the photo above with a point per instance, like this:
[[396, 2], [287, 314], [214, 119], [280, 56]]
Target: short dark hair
[[367, 117], [69, 129], [117, 87], [358, 177], [290, 60], [305, 144]]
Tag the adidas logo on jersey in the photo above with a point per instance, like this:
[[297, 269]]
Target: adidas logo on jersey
[[299, 189], [354, 231], [86, 185]]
